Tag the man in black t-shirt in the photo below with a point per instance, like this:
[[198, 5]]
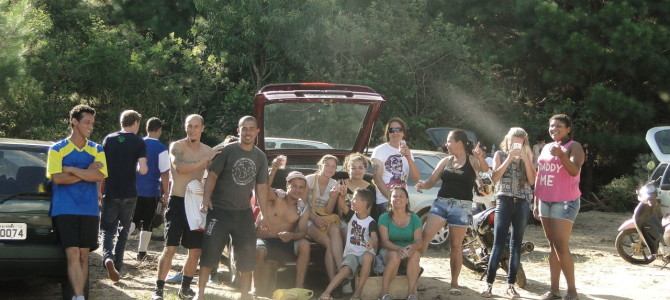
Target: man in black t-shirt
[[126, 154]]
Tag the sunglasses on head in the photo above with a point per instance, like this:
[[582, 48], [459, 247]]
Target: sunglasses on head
[[395, 129]]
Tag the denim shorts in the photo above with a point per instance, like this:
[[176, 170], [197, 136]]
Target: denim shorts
[[566, 210], [455, 212]]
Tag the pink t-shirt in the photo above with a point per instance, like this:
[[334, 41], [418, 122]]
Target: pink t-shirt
[[553, 183]]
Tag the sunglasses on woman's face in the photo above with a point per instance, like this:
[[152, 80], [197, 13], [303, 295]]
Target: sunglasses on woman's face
[[395, 129]]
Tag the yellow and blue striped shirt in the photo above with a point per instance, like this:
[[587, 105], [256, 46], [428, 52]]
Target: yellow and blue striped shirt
[[80, 198]]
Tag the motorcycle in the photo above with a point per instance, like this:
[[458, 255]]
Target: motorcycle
[[646, 236], [478, 244]]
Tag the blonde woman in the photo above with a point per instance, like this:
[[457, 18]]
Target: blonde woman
[[513, 174], [324, 226]]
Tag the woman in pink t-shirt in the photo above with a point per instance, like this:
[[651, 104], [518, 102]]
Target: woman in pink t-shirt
[[557, 200]]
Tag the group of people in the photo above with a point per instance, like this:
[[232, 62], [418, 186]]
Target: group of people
[[365, 226]]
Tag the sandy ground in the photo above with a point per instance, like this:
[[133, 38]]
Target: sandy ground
[[600, 272]]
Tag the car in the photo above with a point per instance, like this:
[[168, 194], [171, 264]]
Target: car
[[288, 143], [309, 120], [29, 244]]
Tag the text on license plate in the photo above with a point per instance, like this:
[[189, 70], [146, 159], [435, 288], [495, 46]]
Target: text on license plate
[[13, 231]]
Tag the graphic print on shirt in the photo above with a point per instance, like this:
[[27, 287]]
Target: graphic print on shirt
[[357, 237], [244, 171], [393, 165]]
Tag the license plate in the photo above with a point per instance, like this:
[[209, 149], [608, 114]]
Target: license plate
[[13, 231]]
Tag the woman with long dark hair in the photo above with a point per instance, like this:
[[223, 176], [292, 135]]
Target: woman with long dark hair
[[400, 236], [453, 206]]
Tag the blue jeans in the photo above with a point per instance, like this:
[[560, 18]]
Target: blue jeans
[[509, 211], [116, 212]]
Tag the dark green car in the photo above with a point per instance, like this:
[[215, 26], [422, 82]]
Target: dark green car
[[29, 245]]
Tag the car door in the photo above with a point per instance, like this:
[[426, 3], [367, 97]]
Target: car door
[[658, 139]]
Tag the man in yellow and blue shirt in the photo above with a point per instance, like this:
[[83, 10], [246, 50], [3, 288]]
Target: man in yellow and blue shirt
[[76, 166]]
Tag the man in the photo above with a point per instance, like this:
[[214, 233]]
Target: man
[[188, 160], [76, 165], [240, 169], [126, 154], [281, 231], [153, 186]]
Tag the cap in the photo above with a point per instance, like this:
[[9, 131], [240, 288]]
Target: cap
[[294, 175]]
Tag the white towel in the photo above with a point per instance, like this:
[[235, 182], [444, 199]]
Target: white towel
[[192, 202]]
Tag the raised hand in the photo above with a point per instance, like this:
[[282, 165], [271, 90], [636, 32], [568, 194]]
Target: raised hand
[[478, 152]]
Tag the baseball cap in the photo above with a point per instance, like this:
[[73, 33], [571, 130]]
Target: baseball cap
[[294, 175]]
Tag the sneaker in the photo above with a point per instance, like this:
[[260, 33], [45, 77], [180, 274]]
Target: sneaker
[[175, 278], [141, 256], [386, 297], [512, 293], [412, 297], [347, 288], [486, 293], [186, 294], [550, 296], [157, 295], [112, 273]]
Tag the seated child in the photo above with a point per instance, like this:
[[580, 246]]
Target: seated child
[[361, 242]]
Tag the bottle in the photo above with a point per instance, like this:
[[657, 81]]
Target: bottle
[[301, 206]]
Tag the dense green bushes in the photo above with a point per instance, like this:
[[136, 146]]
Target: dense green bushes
[[482, 65]]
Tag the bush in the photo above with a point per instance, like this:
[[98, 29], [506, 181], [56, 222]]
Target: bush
[[619, 194]]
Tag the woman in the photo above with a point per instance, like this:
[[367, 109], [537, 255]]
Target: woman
[[393, 163], [324, 227], [355, 164], [453, 206], [557, 200], [400, 236], [513, 174]]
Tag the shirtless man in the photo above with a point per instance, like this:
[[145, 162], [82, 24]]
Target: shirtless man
[[188, 160], [282, 227]]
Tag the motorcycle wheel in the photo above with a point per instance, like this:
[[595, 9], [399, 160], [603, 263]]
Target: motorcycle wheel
[[631, 248], [471, 257]]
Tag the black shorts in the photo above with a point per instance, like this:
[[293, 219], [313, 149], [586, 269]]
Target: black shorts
[[145, 209], [278, 250], [176, 226], [225, 224], [77, 231]]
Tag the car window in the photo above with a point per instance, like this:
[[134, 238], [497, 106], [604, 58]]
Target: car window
[[659, 171], [666, 179], [323, 125], [22, 170], [425, 169]]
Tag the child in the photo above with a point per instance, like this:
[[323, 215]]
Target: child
[[361, 242]]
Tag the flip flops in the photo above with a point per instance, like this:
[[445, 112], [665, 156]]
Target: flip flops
[[455, 292]]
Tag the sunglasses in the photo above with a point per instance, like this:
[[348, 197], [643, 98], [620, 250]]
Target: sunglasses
[[395, 129]]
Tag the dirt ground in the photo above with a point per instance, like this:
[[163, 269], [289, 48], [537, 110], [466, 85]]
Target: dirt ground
[[600, 272]]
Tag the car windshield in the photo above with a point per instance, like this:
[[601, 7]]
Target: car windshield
[[310, 125], [22, 171]]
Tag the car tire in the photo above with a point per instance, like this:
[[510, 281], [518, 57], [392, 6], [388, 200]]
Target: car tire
[[66, 289]]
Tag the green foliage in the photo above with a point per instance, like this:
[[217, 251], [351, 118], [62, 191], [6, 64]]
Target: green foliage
[[619, 194], [481, 65]]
